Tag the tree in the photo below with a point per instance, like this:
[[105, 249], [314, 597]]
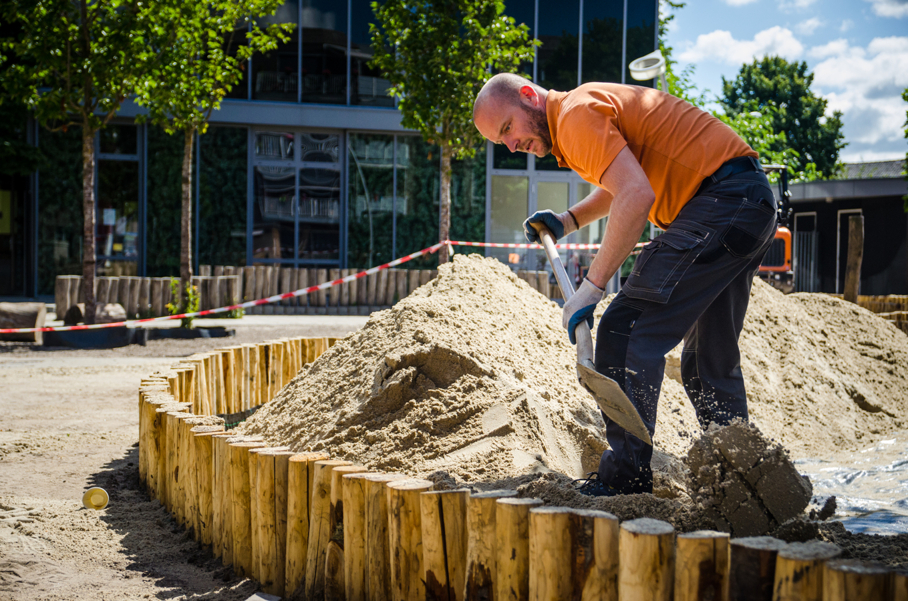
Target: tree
[[195, 72], [680, 84], [757, 129], [437, 54], [72, 63], [785, 87]]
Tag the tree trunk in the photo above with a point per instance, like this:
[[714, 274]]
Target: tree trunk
[[444, 208], [186, 221], [88, 218]]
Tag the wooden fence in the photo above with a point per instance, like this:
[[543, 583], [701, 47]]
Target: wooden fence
[[328, 529], [225, 285]]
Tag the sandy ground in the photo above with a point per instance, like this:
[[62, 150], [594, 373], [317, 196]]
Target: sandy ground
[[68, 421]]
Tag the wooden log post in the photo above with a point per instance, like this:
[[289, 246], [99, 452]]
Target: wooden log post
[[23, 315], [405, 538], [846, 579], [334, 554], [287, 284], [240, 501], [702, 561], [195, 426], [148, 392], [512, 534], [124, 289], [334, 292], [354, 492], [362, 291], [204, 455], [156, 297], [371, 289], [221, 490], [573, 554], [249, 283], [319, 526], [855, 257], [378, 552], [272, 478], [300, 474], [424, 276], [143, 303], [443, 519], [481, 550], [549, 553], [345, 288], [799, 570], [381, 287], [321, 276], [62, 286], [900, 585], [401, 283], [412, 280], [257, 526], [646, 566]]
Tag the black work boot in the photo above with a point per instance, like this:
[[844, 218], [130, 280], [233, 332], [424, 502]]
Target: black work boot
[[593, 486]]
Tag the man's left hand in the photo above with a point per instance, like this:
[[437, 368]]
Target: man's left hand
[[581, 306]]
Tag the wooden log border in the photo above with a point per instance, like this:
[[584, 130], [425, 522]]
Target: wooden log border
[[266, 511]]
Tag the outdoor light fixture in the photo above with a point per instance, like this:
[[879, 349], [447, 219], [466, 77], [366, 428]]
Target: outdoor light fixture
[[649, 67]]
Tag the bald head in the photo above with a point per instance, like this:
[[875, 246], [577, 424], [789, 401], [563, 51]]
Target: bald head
[[510, 110]]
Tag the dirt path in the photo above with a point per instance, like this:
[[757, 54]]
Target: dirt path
[[68, 422]]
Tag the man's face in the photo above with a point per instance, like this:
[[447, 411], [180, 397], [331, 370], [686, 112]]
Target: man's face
[[521, 126]]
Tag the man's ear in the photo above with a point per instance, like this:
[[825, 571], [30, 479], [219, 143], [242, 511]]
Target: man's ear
[[529, 95]]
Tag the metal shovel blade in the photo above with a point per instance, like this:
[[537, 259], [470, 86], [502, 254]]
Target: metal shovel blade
[[613, 402]]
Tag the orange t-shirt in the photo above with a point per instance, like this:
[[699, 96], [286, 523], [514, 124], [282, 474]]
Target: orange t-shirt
[[677, 144]]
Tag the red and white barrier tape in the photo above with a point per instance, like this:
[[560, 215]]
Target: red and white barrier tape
[[530, 246], [301, 291], [255, 303]]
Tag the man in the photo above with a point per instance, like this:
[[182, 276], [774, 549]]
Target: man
[[651, 157]]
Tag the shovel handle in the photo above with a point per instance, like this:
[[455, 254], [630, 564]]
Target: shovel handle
[[582, 331]]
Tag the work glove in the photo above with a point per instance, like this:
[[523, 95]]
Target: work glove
[[560, 224], [581, 306]]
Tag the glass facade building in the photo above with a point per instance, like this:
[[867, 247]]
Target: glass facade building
[[306, 163]]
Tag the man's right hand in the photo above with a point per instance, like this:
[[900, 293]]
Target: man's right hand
[[560, 224]]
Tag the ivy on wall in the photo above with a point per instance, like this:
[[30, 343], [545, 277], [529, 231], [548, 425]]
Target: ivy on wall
[[222, 196]]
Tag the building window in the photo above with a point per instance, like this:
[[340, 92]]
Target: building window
[[603, 29], [367, 86], [277, 72], [296, 198], [324, 68], [117, 221]]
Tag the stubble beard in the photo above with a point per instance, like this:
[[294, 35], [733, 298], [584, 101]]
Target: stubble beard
[[539, 123]]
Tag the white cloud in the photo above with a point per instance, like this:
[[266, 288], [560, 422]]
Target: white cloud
[[890, 8], [721, 46], [834, 48], [738, 2], [809, 26], [790, 5], [846, 25], [866, 85]]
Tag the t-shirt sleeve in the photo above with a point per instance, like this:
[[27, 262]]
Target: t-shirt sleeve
[[589, 138]]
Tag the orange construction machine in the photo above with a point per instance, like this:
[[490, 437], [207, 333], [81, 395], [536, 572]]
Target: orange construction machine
[[776, 268]]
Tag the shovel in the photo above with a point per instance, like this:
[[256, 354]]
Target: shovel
[[608, 394]]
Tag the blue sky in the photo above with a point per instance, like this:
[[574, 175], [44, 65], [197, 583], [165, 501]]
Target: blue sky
[[857, 50]]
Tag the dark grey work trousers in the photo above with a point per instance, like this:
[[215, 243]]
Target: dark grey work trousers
[[692, 283]]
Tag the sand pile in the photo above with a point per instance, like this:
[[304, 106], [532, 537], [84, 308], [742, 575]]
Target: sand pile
[[471, 374]]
